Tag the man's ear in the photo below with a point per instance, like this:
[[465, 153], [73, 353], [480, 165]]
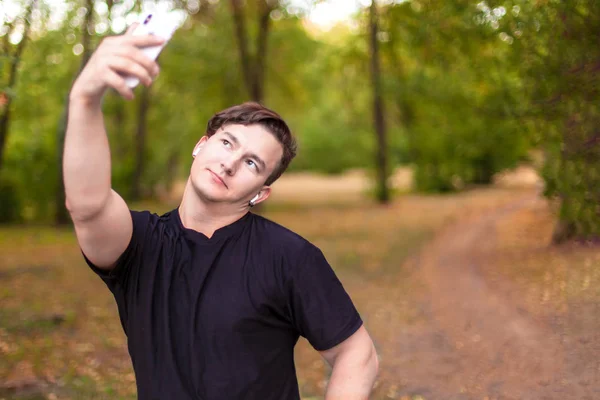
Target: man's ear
[[264, 194], [199, 145]]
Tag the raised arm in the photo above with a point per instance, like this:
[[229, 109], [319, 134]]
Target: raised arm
[[101, 217]]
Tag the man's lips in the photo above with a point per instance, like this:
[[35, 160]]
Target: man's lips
[[217, 178]]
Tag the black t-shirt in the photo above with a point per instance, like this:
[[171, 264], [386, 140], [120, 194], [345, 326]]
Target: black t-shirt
[[218, 318]]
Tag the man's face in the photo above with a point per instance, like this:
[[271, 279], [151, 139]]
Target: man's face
[[233, 164]]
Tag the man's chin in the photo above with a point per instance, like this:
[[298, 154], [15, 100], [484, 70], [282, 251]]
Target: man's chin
[[212, 198], [208, 194]]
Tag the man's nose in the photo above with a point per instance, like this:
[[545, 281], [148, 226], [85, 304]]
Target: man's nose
[[229, 165]]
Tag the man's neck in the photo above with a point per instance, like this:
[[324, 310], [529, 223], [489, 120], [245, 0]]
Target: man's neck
[[204, 217]]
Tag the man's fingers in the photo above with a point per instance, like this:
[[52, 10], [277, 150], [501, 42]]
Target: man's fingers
[[129, 67], [117, 82], [143, 40], [131, 28], [139, 57]]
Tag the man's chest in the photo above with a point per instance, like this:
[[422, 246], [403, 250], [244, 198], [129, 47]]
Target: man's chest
[[204, 318], [220, 294]]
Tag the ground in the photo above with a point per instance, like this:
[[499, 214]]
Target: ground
[[463, 294]]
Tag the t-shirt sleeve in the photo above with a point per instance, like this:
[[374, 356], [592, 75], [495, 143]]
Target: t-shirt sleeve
[[321, 309], [125, 277], [131, 257]]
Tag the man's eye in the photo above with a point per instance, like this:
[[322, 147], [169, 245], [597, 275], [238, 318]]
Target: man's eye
[[252, 164], [226, 142]]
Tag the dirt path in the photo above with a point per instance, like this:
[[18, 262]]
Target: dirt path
[[475, 340]]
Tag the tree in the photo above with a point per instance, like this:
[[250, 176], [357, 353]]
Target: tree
[[87, 27], [253, 65], [456, 98], [140, 143], [382, 191], [14, 59], [562, 68]]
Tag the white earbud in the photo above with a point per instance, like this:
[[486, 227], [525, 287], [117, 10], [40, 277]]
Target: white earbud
[[251, 202], [195, 152]]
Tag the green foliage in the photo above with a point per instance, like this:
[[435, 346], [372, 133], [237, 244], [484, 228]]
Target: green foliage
[[455, 94], [335, 146], [45, 74], [10, 199], [468, 88], [562, 64]]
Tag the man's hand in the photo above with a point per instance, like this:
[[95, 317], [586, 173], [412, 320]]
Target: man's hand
[[115, 58]]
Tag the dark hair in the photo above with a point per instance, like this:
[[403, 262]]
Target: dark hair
[[251, 113]]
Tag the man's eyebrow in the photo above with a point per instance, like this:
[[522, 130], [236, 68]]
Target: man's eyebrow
[[259, 160], [231, 137]]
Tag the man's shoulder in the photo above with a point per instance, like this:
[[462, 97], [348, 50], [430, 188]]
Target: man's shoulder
[[278, 235], [145, 221]]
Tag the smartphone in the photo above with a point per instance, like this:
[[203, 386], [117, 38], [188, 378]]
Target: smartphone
[[155, 23]]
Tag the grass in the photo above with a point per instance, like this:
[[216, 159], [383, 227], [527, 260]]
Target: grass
[[56, 319], [549, 277], [60, 335]]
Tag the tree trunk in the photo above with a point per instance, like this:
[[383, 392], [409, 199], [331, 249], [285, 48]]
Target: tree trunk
[[121, 146], [62, 217], [6, 40], [15, 60], [563, 232], [253, 66], [171, 170], [239, 23], [264, 25], [382, 190], [140, 145]]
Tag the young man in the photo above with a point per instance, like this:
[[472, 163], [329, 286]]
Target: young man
[[212, 298]]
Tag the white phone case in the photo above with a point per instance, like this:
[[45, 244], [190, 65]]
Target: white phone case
[[163, 25]]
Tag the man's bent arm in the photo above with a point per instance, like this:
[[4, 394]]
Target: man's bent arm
[[101, 217], [355, 366]]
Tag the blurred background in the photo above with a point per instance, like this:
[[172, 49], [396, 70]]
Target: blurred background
[[448, 168]]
